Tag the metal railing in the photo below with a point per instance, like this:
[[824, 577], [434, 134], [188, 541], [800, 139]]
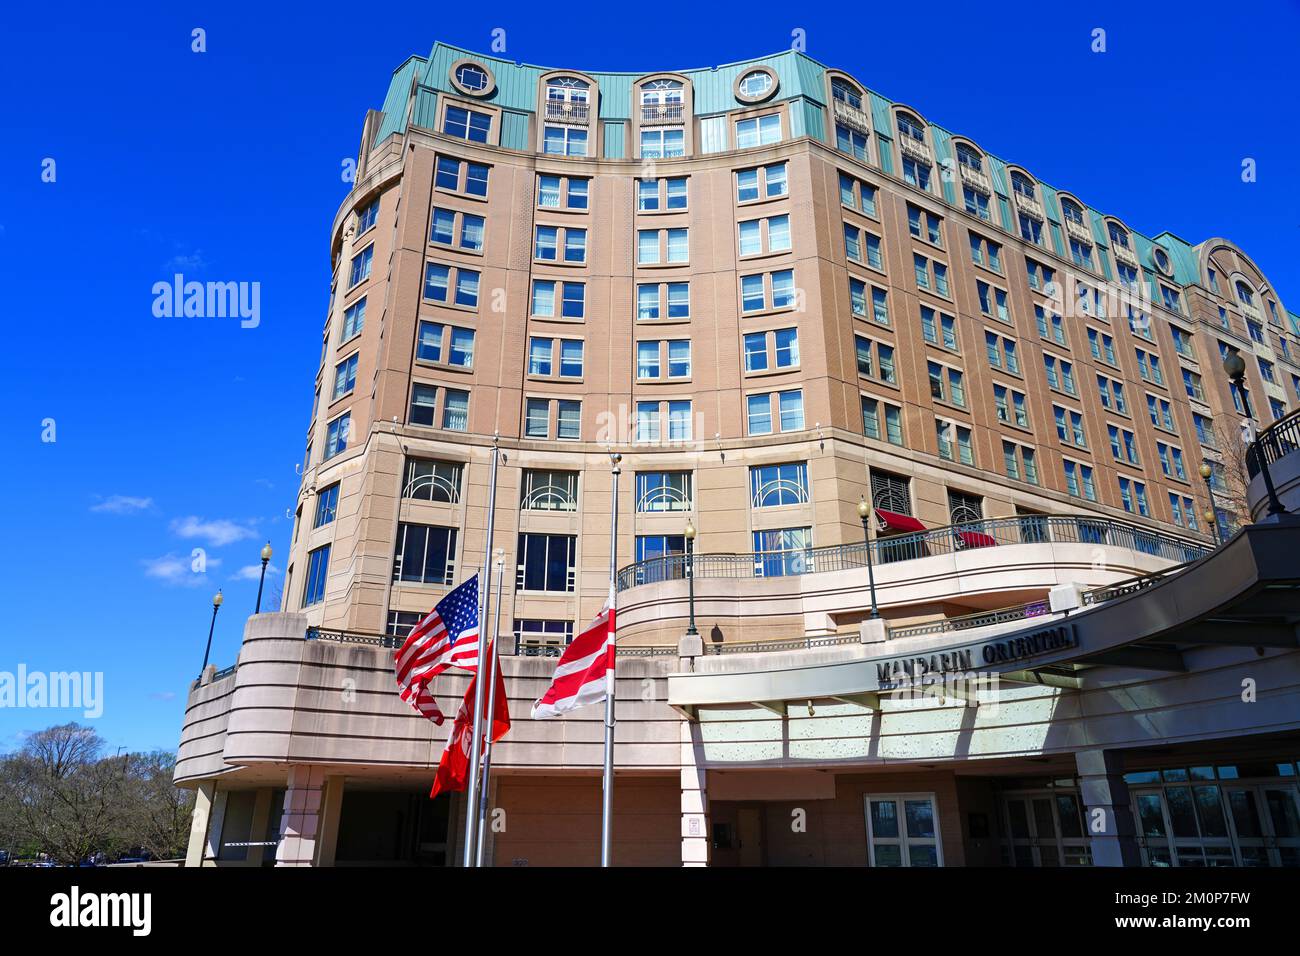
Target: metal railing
[[1026, 529], [522, 648], [567, 112], [1274, 442], [225, 672], [790, 644], [653, 114], [1004, 615]]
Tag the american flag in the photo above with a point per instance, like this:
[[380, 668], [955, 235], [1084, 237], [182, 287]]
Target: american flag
[[446, 637]]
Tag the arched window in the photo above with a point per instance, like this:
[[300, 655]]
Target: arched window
[[567, 89], [1022, 184], [1245, 295], [969, 157], [1118, 235], [1072, 211], [909, 125], [661, 92], [845, 92]]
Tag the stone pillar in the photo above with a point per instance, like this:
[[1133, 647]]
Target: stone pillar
[[695, 798], [257, 829], [1107, 813], [199, 820], [301, 821], [216, 824], [327, 839]]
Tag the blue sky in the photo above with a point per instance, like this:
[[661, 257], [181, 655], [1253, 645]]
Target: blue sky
[[176, 433]]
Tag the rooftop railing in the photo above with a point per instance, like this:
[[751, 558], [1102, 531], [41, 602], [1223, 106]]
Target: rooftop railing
[[1025, 529]]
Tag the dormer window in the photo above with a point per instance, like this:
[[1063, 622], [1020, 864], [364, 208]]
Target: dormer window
[[844, 93], [1118, 235], [566, 89], [661, 91], [1022, 185], [1244, 295], [1072, 211], [910, 126], [969, 158]]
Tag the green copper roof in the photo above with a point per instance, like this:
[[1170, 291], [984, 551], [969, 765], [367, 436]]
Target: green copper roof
[[800, 79]]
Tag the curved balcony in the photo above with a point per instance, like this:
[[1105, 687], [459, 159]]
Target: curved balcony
[[1029, 529], [1278, 448], [823, 594]]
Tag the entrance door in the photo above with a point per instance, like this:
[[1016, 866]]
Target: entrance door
[[1046, 829], [749, 826], [1210, 824], [1267, 824]]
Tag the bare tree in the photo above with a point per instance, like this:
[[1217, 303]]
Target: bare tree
[[158, 812], [1230, 491]]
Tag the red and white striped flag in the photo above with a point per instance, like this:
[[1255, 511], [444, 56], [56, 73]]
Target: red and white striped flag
[[446, 637], [453, 767], [585, 671]]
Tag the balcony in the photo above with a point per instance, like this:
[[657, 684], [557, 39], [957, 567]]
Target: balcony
[[1125, 255], [851, 114], [1077, 230], [565, 112], [915, 149], [1252, 311], [975, 178], [663, 114], [1029, 529], [1029, 206], [1278, 447]]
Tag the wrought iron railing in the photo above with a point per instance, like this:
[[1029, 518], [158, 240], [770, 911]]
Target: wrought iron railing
[[1273, 443], [791, 644], [225, 672], [522, 648], [1004, 615], [1025, 529]]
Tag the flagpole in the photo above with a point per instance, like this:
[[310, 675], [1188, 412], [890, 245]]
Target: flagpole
[[491, 710], [485, 604], [607, 809]]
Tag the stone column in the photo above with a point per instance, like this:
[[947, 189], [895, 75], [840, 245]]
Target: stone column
[[695, 798], [199, 821], [301, 821], [1107, 813], [216, 824], [327, 838], [257, 829]]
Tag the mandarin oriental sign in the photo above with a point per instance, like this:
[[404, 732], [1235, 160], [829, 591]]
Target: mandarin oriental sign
[[991, 654]]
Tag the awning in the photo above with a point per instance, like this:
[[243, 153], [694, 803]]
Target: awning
[[976, 539], [896, 522]]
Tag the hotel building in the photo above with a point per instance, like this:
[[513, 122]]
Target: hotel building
[[868, 364]]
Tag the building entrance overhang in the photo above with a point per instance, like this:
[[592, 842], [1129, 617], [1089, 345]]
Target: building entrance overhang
[[1246, 593]]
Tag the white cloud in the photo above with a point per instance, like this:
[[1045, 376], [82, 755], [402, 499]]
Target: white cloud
[[182, 261], [176, 570], [122, 505], [216, 532], [251, 572], [163, 695]]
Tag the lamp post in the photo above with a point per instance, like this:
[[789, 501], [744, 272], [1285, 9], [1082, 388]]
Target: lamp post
[[266, 556], [690, 576], [216, 606], [1235, 368], [1211, 513], [864, 512]]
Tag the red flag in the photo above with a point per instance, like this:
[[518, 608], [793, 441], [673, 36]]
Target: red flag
[[453, 768], [584, 672]]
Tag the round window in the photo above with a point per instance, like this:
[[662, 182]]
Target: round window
[[755, 85], [472, 78], [1161, 260]]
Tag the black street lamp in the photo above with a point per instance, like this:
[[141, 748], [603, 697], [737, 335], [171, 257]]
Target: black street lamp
[[864, 512], [216, 606], [1235, 368], [266, 556], [690, 576], [1212, 512]]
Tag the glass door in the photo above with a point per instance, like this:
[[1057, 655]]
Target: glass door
[[903, 830], [1046, 829]]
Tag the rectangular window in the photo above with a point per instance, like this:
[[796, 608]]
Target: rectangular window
[[467, 124], [771, 486], [327, 503], [663, 491], [545, 562], [455, 410], [318, 564], [345, 376], [758, 131], [367, 217], [430, 480], [548, 490], [425, 554], [877, 413], [337, 434], [361, 263], [564, 140], [354, 319]]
